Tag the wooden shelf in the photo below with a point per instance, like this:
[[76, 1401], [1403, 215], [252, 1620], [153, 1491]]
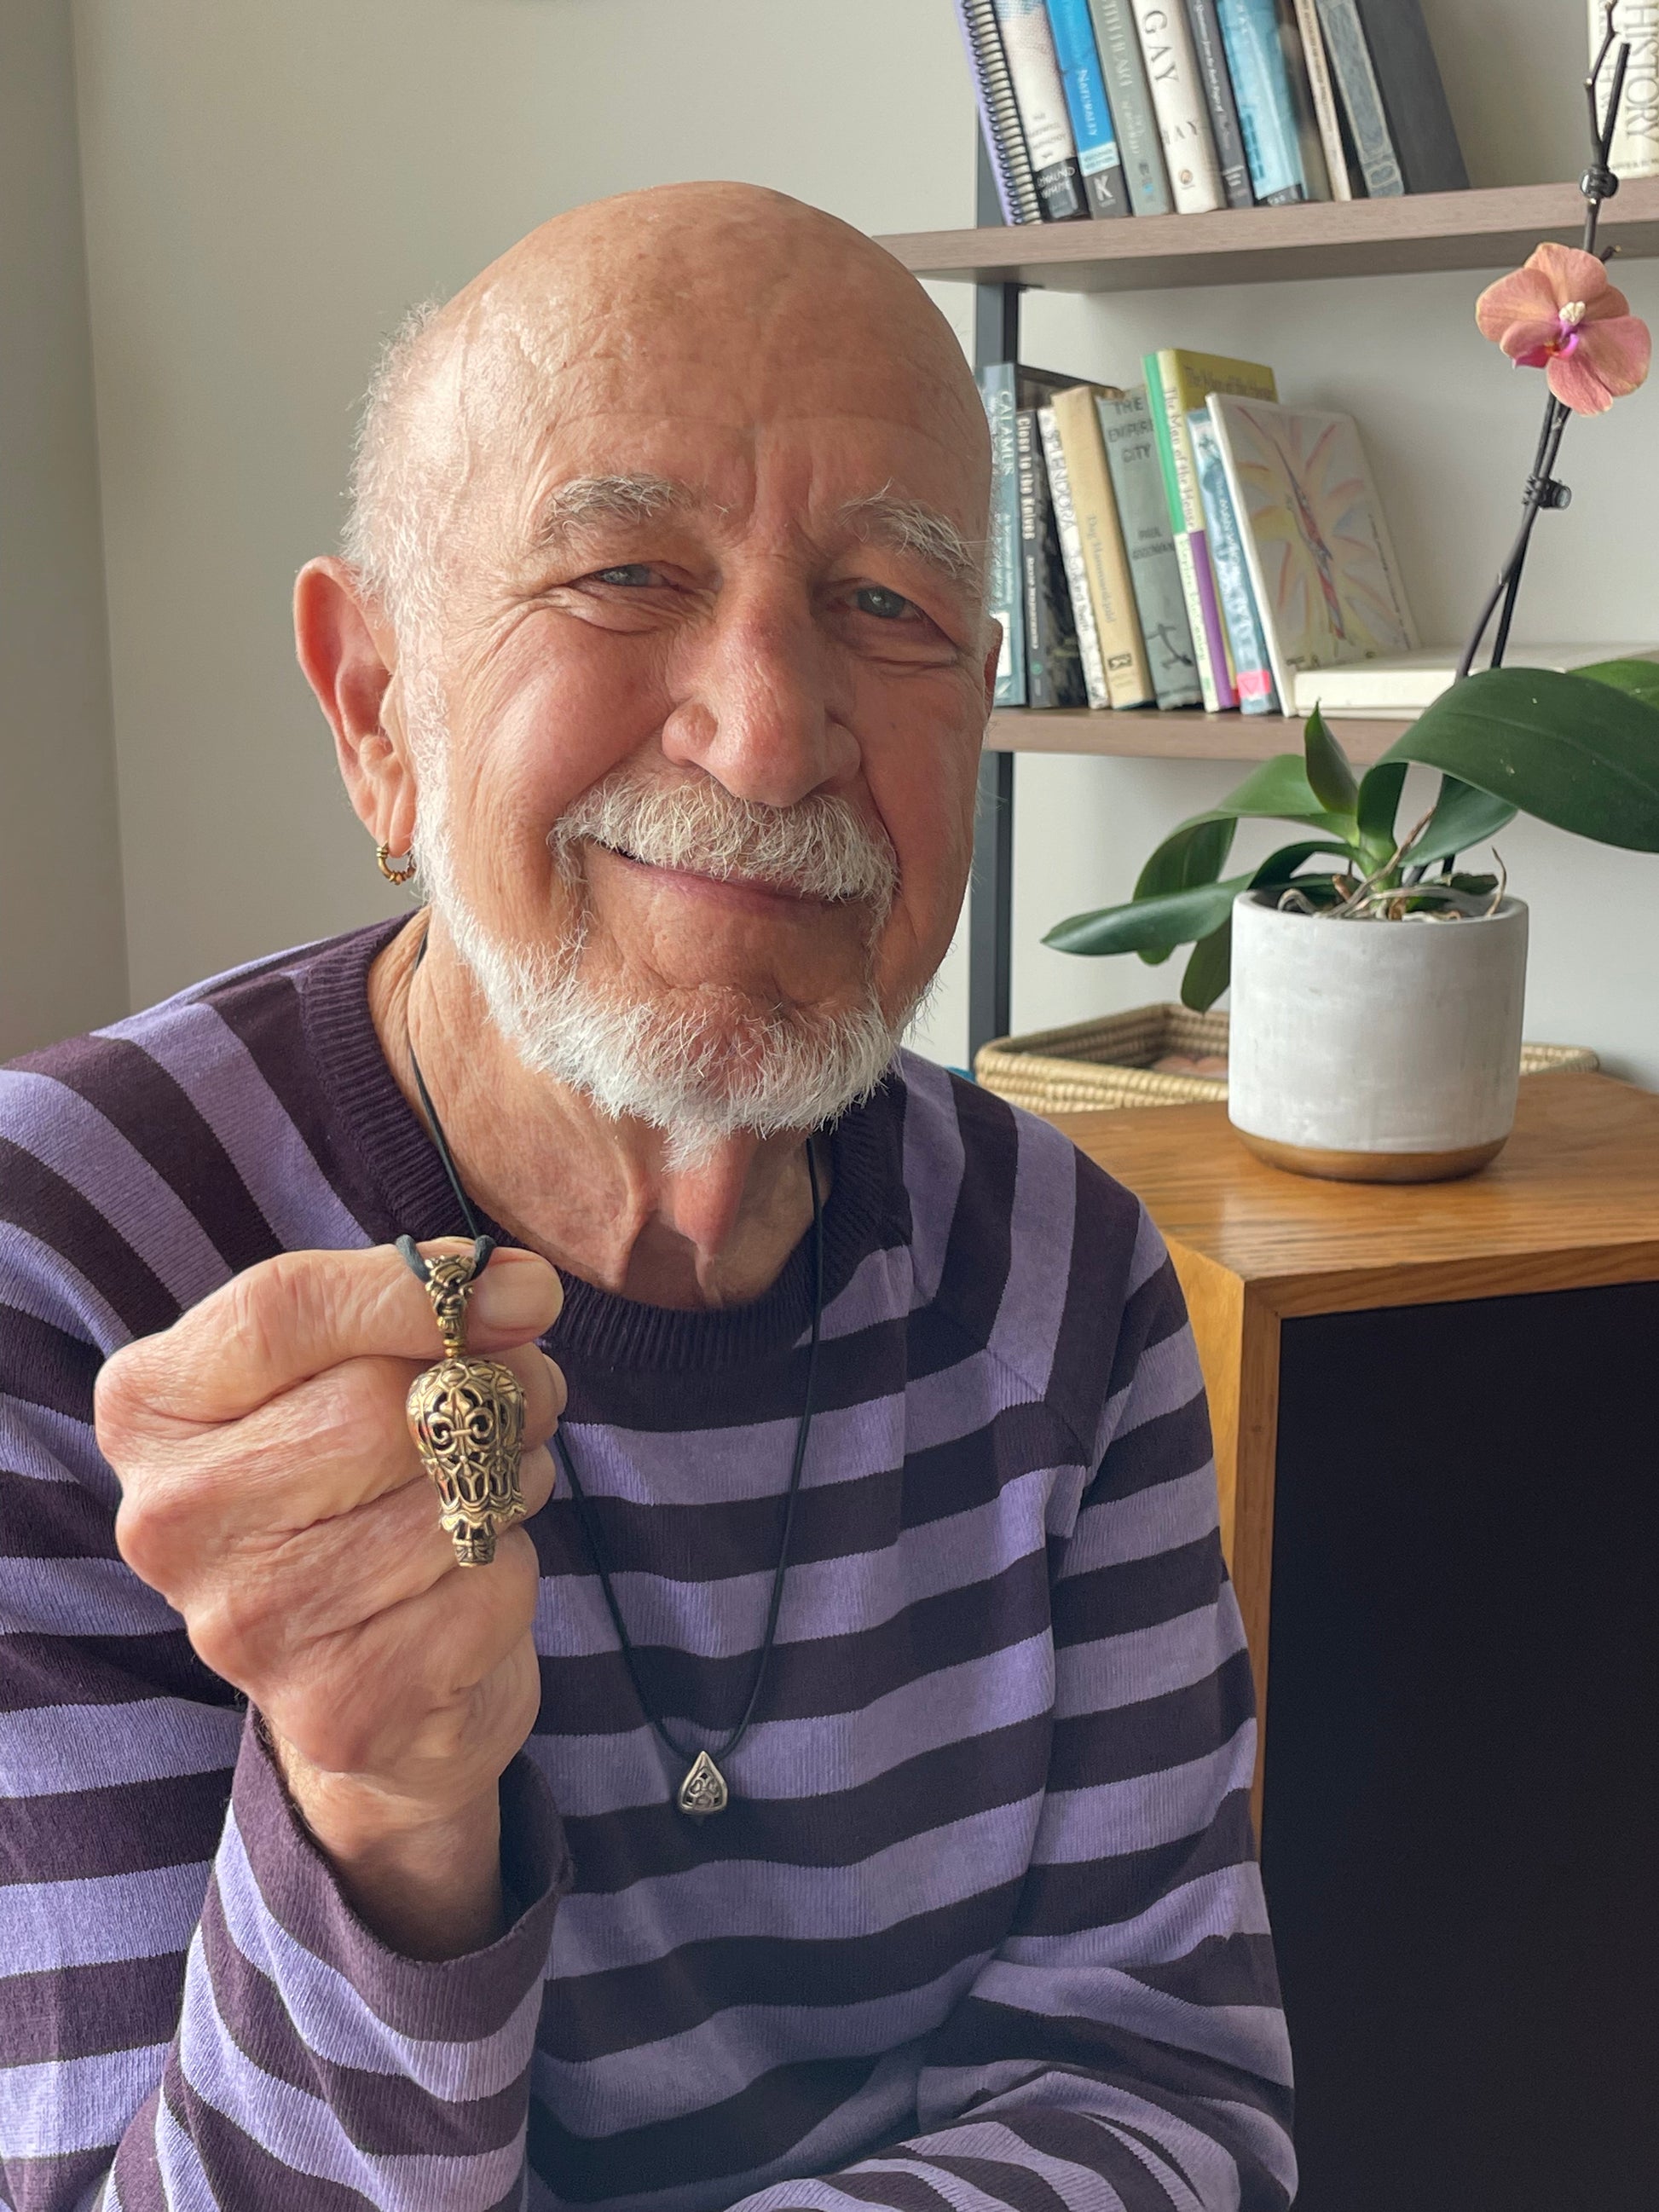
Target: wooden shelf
[[1263, 246], [1150, 735]]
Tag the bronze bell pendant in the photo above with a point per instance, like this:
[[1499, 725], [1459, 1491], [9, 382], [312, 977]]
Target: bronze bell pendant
[[466, 1416]]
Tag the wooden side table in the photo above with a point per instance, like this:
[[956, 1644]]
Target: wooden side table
[[1434, 1417]]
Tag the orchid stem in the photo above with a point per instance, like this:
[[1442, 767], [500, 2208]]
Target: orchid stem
[[1597, 184]]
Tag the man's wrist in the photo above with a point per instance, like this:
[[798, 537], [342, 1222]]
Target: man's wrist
[[427, 1883]]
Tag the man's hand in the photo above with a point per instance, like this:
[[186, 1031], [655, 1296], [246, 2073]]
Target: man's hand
[[272, 1493]]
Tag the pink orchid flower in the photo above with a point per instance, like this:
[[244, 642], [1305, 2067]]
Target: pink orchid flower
[[1560, 315]]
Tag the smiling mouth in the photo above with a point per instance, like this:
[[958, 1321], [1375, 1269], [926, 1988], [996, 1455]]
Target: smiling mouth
[[759, 889]]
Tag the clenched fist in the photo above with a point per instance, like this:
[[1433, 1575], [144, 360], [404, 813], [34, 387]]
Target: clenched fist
[[271, 1492]]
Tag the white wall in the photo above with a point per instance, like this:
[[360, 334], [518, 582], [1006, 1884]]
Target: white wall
[[267, 187], [62, 959]]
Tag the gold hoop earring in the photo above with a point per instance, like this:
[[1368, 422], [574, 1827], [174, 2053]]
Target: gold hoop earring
[[395, 874]]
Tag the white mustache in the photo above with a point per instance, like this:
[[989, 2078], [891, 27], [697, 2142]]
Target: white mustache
[[817, 848]]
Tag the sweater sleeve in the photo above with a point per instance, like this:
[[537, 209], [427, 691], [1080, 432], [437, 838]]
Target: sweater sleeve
[[190, 2013], [1124, 2050]]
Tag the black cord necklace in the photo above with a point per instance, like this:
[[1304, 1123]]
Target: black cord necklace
[[703, 1788]]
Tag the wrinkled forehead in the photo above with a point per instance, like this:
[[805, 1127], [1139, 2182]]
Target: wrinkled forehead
[[557, 380]]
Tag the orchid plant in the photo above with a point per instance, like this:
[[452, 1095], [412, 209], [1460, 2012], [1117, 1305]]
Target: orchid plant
[[1580, 752]]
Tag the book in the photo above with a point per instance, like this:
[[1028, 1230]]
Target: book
[[1362, 99], [1397, 684], [998, 112], [1097, 154], [1211, 58], [1071, 552], [1252, 674], [1054, 667], [1309, 145], [1183, 124], [1119, 47], [1004, 387], [1323, 93], [1268, 117], [1029, 51], [1005, 599], [1327, 586], [1414, 99], [1177, 382], [1106, 563], [1635, 150], [1126, 424]]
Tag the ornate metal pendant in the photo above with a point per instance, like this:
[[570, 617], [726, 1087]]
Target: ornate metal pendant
[[704, 1790], [466, 1416]]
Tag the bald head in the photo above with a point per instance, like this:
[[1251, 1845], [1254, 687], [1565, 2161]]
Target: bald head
[[774, 309]]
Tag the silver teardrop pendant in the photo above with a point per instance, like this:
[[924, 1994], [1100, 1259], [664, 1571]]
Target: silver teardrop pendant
[[704, 1790]]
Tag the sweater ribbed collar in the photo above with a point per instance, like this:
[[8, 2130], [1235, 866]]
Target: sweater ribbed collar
[[403, 1188]]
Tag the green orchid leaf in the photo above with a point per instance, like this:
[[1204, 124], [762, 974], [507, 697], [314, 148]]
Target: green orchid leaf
[[1328, 773], [1280, 786], [1462, 817], [1378, 808], [1194, 854], [1579, 754], [1639, 677], [1209, 969], [1476, 886], [1155, 924]]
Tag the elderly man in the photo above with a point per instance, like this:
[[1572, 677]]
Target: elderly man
[[836, 1792]]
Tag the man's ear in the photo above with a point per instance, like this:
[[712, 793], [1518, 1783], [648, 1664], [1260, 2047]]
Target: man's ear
[[346, 648]]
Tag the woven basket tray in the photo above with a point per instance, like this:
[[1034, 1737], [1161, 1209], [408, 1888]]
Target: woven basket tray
[[1105, 1063]]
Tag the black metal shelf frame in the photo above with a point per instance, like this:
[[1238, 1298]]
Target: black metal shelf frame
[[990, 891]]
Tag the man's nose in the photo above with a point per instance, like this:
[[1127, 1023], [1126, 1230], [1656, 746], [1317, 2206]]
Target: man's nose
[[759, 709]]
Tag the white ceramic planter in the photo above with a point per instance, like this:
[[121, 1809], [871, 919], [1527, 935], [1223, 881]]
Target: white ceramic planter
[[1375, 1051]]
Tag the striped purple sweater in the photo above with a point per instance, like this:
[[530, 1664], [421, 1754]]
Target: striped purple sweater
[[982, 1930]]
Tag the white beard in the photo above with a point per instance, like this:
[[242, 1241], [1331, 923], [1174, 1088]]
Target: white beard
[[681, 1061]]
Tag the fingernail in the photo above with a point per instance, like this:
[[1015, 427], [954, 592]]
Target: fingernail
[[518, 1291]]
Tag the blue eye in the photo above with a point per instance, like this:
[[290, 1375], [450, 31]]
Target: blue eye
[[877, 600], [631, 572]]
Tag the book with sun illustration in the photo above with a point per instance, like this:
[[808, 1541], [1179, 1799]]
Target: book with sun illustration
[[1327, 583]]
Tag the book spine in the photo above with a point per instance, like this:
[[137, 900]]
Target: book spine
[[1362, 101], [1038, 689], [1178, 102], [1187, 524], [1126, 424], [1004, 596], [1266, 113], [1414, 98], [1054, 674], [1636, 135], [1098, 156], [1317, 65], [1070, 550], [1254, 677], [1211, 58], [1119, 47], [1121, 56], [1310, 87], [1128, 676], [1042, 97], [998, 112], [1310, 151]]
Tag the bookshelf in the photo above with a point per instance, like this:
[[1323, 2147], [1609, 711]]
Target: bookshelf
[[1146, 734], [1406, 237], [1415, 235]]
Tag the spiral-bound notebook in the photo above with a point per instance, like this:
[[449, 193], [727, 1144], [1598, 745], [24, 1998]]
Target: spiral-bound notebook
[[998, 112]]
